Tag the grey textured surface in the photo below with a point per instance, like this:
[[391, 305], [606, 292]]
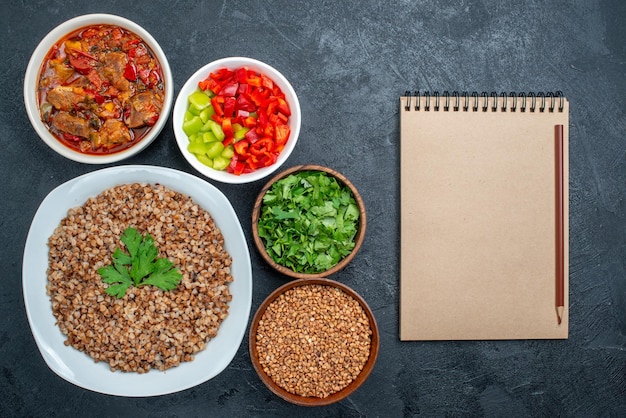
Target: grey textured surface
[[349, 62]]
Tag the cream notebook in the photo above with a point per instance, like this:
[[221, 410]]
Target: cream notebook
[[479, 219]]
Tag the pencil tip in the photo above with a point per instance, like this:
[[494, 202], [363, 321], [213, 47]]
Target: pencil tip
[[559, 314]]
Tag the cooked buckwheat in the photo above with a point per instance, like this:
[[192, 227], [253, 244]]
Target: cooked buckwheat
[[147, 328]]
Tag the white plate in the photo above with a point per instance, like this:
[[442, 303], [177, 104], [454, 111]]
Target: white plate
[[76, 366]]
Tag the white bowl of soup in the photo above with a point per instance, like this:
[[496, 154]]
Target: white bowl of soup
[[98, 89]]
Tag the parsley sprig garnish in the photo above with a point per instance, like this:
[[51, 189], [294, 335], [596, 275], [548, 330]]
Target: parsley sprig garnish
[[140, 266]]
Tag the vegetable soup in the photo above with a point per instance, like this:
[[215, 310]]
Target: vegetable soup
[[100, 90]]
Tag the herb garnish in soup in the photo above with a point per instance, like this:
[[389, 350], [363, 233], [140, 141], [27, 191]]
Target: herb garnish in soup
[[100, 89]]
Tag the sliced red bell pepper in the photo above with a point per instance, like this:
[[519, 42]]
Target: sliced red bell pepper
[[216, 87], [218, 105], [98, 98], [283, 107], [130, 72], [242, 75], [269, 130], [283, 118], [268, 159], [207, 84], [227, 127], [276, 119], [259, 96], [242, 115], [252, 136], [267, 82], [252, 162], [244, 88], [254, 80], [230, 104], [282, 134], [271, 106], [245, 103], [262, 146], [230, 88], [241, 147], [262, 120], [276, 91], [236, 167], [250, 122], [222, 74]]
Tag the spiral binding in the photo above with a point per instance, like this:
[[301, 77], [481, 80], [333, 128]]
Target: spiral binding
[[465, 101]]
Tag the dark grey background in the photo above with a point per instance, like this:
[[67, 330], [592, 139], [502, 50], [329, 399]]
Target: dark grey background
[[349, 61]]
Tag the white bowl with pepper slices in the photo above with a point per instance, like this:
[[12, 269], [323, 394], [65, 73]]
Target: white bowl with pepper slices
[[313, 342], [98, 89], [236, 120]]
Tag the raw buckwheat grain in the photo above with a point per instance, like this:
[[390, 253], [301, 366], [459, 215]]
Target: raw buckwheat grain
[[313, 340]]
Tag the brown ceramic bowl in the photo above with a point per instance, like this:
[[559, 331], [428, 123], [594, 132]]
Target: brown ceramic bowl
[[304, 400], [358, 239]]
